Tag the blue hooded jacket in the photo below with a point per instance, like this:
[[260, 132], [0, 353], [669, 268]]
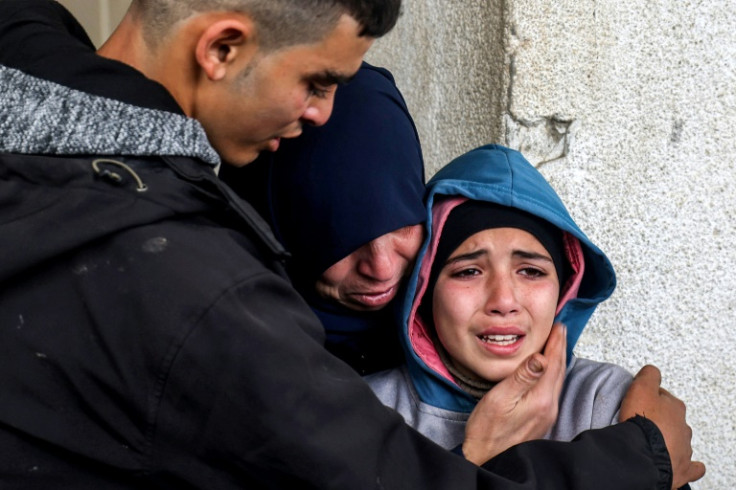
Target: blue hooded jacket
[[500, 175]]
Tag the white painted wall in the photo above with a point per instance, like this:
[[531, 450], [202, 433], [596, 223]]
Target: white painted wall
[[629, 108]]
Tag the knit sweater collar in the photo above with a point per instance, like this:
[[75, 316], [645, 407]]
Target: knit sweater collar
[[42, 117], [59, 97]]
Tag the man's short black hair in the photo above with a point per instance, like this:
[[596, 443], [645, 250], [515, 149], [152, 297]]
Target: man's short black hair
[[281, 23], [377, 17]]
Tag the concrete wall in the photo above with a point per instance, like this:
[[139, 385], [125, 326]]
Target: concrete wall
[[99, 17], [629, 108]]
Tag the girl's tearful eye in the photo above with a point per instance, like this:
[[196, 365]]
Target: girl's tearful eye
[[533, 272], [466, 272]]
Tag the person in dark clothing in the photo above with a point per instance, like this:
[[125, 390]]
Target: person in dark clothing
[[346, 200], [149, 336]]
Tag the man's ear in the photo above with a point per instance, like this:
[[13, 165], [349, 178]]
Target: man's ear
[[223, 42]]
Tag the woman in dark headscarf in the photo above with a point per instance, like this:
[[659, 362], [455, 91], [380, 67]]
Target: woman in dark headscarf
[[346, 201]]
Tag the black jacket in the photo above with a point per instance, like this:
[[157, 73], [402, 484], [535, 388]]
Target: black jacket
[[148, 338]]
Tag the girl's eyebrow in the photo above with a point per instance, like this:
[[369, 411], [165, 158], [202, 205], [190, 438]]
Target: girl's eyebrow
[[524, 254], [531, 255], [467, 256]]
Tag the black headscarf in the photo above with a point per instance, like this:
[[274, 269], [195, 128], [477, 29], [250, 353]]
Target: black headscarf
[[339, 186]]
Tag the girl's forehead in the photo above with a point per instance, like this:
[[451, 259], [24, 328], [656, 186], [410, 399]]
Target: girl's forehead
[[500, 238]]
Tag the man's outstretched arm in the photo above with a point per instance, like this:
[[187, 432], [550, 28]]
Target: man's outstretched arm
[[283, 411]]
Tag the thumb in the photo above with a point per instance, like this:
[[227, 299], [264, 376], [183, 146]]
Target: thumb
[[509, 392], [696, 471], [528, 373], [649, 377], [644, 387]]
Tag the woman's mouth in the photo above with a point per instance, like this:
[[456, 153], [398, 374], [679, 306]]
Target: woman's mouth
[[375, 299]]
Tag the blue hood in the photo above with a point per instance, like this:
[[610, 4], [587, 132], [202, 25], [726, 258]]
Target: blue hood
[[500, 175]]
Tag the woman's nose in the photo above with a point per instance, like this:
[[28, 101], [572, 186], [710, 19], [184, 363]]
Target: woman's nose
[[378, 261]]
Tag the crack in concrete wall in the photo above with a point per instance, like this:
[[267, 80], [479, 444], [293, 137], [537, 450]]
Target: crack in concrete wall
[[542, 139]]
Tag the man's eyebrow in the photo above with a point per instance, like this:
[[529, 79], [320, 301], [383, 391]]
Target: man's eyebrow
[[332, 78]]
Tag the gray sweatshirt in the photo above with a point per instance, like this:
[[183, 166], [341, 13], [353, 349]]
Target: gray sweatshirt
[[591, 397]]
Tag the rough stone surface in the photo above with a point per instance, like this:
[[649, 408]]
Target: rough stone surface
[[629, 108], [451, 85]]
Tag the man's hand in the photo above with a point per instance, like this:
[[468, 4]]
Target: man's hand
[[646, 398], [521, 407]]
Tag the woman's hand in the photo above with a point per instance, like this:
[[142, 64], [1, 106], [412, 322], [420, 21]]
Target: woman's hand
[[520, 408]]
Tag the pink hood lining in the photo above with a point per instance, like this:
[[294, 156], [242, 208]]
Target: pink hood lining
[[419, 336]]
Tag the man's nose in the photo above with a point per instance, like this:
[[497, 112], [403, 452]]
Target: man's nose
[[319, 109]]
